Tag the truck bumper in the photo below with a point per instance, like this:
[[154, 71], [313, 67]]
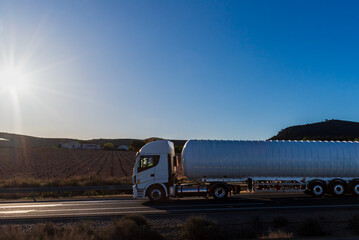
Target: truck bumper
[[135, 194], [138, 193]]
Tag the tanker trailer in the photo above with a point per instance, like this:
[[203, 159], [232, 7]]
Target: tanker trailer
[[219, 168]]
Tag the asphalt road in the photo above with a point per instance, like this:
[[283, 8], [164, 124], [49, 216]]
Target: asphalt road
[[109, 208]]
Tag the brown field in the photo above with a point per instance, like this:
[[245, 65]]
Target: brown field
[[51, 162]]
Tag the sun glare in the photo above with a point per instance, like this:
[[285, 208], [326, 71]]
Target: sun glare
[[12, 80]]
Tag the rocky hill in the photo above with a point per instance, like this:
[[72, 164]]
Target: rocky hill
[[327, 130]]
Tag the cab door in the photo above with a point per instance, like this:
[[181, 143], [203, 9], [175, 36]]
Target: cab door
[[161, 171], [146, 170]]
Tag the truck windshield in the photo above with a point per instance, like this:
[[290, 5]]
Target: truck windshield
[[147, 162]]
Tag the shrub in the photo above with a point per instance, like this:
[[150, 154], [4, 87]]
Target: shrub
[[354, 224], [280, 222], [127, 228], [198, 228], [277, 235], [311, 227], [136, 145], [246, 232], [108, 146], [132, 227], [11, 232]]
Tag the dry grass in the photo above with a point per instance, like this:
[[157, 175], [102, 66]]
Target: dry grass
[[311, 228], [89, 180], [277, 235], [127, 228], [198, 228]]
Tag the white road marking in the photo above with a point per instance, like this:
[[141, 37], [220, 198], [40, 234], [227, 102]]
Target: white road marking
[[192, 210], [14, 212], [30, 206], [186, 205], [147, 207], [150, 209]]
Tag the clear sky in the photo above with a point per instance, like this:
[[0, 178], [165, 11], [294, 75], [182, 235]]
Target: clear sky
[[176, 69]]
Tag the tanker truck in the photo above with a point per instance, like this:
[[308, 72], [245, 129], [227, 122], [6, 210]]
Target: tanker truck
[[213, 168]]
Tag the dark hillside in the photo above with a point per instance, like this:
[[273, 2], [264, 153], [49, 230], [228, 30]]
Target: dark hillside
[[327, 130], [17, 140]]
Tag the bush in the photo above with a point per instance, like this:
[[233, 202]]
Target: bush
[[198, 228], [49, 231], [11, 232], [136, 145], [280, 222], [178, 149], [132, 227], [108, 146], [246, 232], [127, 228], [276, 235], [354, 224], [311, 227]]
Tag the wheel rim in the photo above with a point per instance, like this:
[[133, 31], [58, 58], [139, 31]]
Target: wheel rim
[[338, 189], [156, 194], [219, 192], [356, 189], [318, 190]]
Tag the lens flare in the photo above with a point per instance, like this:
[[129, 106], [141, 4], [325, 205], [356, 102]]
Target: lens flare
[[12, 80]]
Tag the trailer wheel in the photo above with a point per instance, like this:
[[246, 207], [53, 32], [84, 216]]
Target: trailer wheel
[[337, 188], [156, 193], [220, 192], [355, 188], [317, 189]]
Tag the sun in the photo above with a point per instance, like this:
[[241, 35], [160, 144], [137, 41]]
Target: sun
[[12, 80]]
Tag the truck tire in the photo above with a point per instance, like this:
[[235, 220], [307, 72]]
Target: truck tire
[[156, 193], [220, 192], [355, 188], [337, 188], [317, 189]]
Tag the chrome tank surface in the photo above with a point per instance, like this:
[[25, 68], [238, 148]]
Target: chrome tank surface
[[242, 159]]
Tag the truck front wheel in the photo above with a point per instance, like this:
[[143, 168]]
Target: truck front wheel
[[156, 193], [220, 192]]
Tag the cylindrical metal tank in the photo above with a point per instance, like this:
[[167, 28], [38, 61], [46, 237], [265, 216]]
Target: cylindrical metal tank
[[242, 159]]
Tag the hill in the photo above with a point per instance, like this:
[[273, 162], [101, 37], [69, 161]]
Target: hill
[[18, 140], [327, 130]]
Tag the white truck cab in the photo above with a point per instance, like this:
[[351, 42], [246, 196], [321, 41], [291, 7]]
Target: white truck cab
[[152, 173]]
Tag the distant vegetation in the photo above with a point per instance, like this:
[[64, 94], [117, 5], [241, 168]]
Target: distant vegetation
[[329, 130], [108, 146]]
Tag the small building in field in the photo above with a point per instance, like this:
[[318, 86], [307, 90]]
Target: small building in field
[[71, 145], [123, 148], [82, 145], [90, 146]]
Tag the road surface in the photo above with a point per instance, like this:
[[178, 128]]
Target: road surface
[[109, 208]]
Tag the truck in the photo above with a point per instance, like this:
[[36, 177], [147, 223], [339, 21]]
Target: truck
[[219, 168]]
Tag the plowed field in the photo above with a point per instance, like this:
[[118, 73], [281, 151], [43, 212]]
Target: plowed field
[[48, 162]]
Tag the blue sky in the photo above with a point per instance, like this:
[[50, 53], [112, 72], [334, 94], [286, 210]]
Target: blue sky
[[177, 69]]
